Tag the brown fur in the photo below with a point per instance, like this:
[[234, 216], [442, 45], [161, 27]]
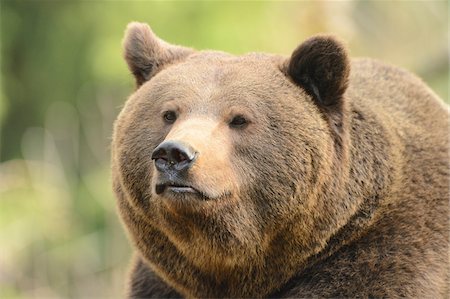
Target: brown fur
[[337, 186]]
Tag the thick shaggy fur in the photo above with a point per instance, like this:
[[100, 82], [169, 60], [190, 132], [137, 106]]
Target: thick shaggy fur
[[337, 185]]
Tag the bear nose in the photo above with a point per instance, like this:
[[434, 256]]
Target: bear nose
[[173, 155]]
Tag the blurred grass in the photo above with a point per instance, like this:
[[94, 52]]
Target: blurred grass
[[63, 81]]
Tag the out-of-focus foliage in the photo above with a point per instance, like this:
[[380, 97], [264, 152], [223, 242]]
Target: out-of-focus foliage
[[63, 81]]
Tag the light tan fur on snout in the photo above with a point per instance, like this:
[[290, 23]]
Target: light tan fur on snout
[[210, 141]]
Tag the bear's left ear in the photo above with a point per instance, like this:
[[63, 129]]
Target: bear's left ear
[[320, 65]]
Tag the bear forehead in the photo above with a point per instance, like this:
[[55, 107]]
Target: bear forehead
[[251, 65], [208, 73]]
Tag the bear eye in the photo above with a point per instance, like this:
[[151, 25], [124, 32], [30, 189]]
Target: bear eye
[[170, 117], [238, 122]]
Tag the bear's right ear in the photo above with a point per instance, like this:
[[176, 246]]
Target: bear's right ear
[[146, 54]]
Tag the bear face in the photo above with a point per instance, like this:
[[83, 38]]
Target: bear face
[[233, 173], [231, 161]]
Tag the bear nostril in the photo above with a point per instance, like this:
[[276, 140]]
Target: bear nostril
[[179, 156], [159, 153]]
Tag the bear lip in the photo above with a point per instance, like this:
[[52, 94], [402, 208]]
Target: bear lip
[[178, 188]]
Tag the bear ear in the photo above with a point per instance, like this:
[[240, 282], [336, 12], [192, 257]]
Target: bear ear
[[145, 53], [321, 66]]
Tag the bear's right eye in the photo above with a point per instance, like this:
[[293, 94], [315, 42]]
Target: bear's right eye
[[170, 117], [238, 122]]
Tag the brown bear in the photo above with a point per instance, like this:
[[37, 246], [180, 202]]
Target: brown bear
[[265, 176]]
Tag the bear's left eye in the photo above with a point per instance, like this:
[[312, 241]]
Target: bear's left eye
[[238, 122], [170, 117]]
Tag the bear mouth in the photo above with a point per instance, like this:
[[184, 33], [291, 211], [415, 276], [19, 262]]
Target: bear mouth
[[179, 189]]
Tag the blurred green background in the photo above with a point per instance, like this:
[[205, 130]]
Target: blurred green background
[[63, 81]]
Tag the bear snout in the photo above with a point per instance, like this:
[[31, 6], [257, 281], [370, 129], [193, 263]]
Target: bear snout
[[172, 160], [194, 161]]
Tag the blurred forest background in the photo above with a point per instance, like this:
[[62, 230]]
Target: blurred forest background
[[63, 81]]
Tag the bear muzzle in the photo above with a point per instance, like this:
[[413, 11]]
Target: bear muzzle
[[172, 159], [193, 161]]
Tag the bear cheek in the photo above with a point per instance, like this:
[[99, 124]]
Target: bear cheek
[[132, 158]]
